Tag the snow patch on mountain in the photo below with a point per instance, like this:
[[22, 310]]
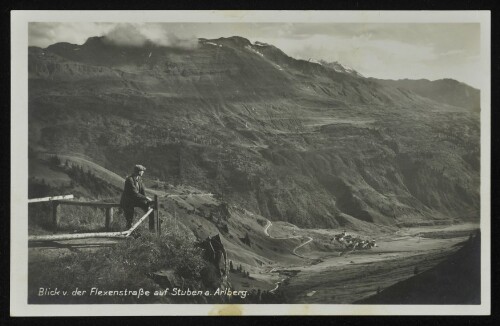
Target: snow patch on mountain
[[248, 47], [262, 44], [344, 69], [214, 44]]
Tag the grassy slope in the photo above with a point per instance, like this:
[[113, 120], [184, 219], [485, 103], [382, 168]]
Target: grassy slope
[[101, 172]]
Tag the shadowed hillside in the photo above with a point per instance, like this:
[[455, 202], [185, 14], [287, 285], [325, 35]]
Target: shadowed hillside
[[454, 281], [289, 139]]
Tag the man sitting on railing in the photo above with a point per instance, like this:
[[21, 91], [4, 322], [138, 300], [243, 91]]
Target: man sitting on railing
[[134, 195]]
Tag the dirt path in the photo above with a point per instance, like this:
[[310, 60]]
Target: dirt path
[[51, 250]]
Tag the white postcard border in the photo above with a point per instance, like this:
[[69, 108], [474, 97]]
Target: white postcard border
[[19, 159]]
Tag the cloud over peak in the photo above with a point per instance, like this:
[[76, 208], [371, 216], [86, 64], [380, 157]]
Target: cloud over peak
[[127, 34]]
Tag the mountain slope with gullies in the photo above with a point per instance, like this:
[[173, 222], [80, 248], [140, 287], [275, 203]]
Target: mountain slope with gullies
[[288, 139]]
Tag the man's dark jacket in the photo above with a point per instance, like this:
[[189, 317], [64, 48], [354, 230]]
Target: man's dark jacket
[[133, 194]]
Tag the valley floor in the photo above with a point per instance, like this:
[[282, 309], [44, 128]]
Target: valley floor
[[337, 278]]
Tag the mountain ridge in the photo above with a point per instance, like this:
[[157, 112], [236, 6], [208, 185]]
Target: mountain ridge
[[290, 139], [242, 42], [446, 90]]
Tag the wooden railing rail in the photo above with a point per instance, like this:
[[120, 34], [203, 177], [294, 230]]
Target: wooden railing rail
[[38, 200], [153, 213]]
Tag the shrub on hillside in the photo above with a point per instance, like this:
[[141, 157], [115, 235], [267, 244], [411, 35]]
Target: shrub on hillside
[[40, 216], [38, 188], [88, 180]]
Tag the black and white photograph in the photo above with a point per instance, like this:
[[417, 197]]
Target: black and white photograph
[[246, 163]]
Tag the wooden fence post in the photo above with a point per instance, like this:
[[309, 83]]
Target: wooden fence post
[[153, 215], [55, 215], [109, 217], [157, 217]]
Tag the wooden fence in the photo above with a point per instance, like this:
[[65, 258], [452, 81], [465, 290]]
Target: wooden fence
[[153, 213]]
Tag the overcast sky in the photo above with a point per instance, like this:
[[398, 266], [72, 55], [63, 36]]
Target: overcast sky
[[390, 51]]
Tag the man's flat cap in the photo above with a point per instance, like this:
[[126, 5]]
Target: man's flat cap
[[139, 167]]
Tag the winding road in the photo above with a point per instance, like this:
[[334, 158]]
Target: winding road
[[294, 251], [277, 285]]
